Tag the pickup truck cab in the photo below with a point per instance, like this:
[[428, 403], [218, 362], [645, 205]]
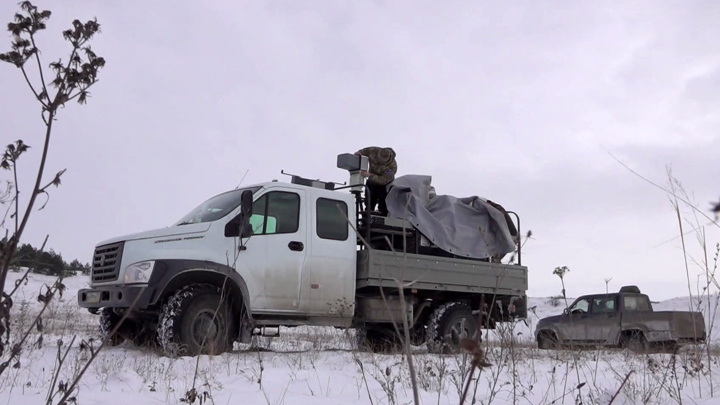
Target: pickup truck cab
[[623, 319]]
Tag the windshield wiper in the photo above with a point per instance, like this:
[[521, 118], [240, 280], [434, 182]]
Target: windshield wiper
[[184, 223]]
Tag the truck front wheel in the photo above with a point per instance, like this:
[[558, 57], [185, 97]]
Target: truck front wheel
[[196, 320], [547, 340], [108, 321], [448, 325]]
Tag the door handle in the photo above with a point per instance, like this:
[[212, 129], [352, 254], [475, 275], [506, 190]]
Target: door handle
[[296, 246]]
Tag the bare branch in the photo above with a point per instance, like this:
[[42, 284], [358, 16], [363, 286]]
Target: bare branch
[[40, 70], [47, 298], [32, 88], [102, 345], [55, 181], [669, 192], [620, 388]]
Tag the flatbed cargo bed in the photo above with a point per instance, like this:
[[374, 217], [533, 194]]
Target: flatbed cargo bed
[[380, 268]]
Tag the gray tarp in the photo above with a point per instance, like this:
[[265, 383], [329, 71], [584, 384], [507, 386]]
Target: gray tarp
[[468, 227]]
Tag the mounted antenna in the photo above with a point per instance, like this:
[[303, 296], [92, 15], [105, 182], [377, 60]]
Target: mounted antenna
[[242, 179]]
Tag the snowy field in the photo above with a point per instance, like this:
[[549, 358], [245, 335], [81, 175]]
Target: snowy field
[[318, 366]]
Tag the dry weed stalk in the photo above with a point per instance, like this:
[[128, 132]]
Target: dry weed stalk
[[477, 361], [59, 362], [561, 272], [94, 352], [405, 336], [45, 298], [71, 81]]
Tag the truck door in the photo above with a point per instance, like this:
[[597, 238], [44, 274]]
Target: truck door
[[329, 286], [275, 253], [603, 320], [574, 326], [592, 319]]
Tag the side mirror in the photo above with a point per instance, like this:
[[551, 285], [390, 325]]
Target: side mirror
[[240, 225], [565, 311], [246, 201], [246, 208]]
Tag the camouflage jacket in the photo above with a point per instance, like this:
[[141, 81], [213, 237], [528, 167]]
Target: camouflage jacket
[[381, 171]]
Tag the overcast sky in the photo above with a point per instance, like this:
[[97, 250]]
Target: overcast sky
[[520, 102]]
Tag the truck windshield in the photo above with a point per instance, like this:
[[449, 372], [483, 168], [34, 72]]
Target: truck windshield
[[214, 208]]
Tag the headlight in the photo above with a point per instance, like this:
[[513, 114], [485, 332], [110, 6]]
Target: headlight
[[139, 272]]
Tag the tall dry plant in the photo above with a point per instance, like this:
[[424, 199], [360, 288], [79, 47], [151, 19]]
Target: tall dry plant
[[67, 81]]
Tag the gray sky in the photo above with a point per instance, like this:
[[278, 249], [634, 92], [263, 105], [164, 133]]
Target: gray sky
[[520, 103]]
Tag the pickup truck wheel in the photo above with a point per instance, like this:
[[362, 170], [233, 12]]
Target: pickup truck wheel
[[448, 325], [636, 342], [547, 341], [108, 321], [195, 321], [667, 347]]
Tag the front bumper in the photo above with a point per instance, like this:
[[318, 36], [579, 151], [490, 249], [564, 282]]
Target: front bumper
[[116, 297]]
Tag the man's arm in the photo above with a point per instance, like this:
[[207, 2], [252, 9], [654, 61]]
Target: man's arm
[[387, 176]]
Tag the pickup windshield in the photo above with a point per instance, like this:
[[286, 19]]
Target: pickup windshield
[[215, 208]]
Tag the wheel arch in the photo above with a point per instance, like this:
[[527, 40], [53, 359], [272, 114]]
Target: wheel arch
[[175, 274], [549, 330], [631, 331]]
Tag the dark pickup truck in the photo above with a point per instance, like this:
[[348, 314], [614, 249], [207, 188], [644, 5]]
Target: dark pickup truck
[[624, 319]]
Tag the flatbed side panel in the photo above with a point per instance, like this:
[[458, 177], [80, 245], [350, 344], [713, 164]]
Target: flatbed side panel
[[382, 268]]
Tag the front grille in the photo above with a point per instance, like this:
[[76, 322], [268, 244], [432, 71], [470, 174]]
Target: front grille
[[106, 263]]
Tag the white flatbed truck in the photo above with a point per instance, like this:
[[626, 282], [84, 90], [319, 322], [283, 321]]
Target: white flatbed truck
[[287, 254]]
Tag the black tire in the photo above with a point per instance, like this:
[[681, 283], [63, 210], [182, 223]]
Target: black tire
[[636, 342], [108, 321], [448, 325], [669, 347], [195, 321], [146, 335], [547, 340], [378, 340]]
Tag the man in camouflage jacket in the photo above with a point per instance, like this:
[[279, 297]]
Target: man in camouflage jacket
[[382, 172]]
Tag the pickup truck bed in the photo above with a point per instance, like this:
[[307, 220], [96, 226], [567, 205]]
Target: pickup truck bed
[[662, 326]]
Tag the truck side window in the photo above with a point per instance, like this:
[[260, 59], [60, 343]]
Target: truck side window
[[603, 305], [581, 306], [331, 219], [636, 303], [276, 212]]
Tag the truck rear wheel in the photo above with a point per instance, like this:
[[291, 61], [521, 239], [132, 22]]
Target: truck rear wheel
[[195, 320], [635, 342], [448, 325]]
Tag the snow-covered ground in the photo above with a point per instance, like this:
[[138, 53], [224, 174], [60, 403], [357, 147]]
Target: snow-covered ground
[[318, 366]]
